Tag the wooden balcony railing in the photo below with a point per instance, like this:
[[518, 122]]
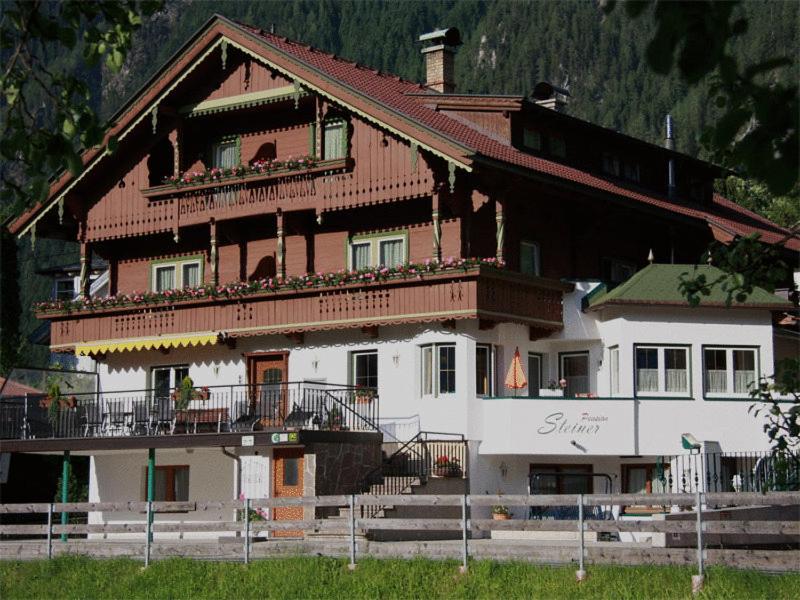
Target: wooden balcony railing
[[484, 293]]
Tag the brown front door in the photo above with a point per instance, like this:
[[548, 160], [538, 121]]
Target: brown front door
[[287, 482], [267, 376]]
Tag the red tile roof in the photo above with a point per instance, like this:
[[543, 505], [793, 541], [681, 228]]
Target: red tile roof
[[11, 388], [405, 97]]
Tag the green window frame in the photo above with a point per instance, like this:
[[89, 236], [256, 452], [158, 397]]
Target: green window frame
[[375, 241], [657, 370], [178, 266]]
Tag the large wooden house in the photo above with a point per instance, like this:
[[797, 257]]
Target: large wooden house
[[306, 254]]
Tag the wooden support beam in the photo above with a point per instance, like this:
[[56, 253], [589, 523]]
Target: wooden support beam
[[86, 267], [370, 330], [213, 252], [437, 226], [500, 222], [281, 252]]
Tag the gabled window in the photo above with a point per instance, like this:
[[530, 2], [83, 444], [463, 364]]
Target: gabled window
[[387, 250], [334, 139], [438, 369], [729, 371], [662, 370], [225, 154], [529, 258], [174, 274]]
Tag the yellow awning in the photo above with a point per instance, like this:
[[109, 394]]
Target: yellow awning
[[183, 341]]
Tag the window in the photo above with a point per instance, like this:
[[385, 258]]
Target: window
[[729, 370], [171, 483], [575, 369], [334, 142], [373, 251], [225, 154], [611, 164], [529, 259], [438, 369], [558, 147], [364, 369], [534, 374], [632, 171], [531, 139], [177, 274], [560, 479], [165, 379], [613, 367], [645, 479], [662, 370], [291, 471], [484, 370], [64, 289]]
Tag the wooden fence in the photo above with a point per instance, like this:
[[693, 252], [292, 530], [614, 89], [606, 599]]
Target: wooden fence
[[470, 528]]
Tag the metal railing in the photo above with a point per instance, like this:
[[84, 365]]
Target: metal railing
[[231, 408], [424, 455]]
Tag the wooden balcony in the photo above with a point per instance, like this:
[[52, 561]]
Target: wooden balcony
[[484, 293]]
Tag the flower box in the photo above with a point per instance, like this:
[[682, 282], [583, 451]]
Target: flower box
[[545, 393]]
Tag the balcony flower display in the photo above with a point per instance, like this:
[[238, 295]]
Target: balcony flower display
[[446, 466], [257, 167], [269, 285], [187, 392]]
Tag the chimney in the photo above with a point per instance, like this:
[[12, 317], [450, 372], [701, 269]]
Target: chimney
[[552, 97], [669, 144], [439, 59]]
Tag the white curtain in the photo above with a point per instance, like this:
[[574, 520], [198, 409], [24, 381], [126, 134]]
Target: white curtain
[[165, 278], [742, 381], [225, 155], [360, 256], [716, 381], [392, 253], [637, 481], [191, 275], [647, 380], [677, 380], [333, 143]]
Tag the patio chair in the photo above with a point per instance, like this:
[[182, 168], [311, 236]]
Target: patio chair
[[300, 418], [118, 416], [141, 417], [239, 417], [164, 415], [91, 418]]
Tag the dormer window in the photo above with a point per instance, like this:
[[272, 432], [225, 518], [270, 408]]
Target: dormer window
[[334, 141], [532, 139], [558, 147], [611, 164], [632, 171]]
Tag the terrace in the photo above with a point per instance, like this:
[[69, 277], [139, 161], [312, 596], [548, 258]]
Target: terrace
[[150, 413]]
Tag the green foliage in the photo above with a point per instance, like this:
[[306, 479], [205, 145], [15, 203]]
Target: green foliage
[[77, 491], [9, 303], [783, 210], [48, 116], [781, 423], [747, 263], [756, 129], [319, 577]]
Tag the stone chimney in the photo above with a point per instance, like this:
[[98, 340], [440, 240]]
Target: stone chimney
[[439, 59], [547, 95]]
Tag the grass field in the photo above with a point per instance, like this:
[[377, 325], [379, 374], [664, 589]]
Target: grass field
[[75, 577]]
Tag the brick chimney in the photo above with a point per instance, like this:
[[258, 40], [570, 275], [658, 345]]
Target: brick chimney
[[439, 59]]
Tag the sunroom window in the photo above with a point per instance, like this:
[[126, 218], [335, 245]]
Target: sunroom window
[[731, 371], [662, 370]]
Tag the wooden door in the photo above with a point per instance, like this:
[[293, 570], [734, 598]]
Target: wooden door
[[287, 482], [267, 376]]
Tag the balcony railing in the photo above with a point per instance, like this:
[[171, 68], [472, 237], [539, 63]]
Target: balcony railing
[[216, 409]]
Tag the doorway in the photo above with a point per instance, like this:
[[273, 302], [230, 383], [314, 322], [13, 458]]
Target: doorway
[[267, 375], [287, 482]]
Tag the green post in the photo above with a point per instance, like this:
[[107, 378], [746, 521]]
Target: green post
[[65, 470], [151, 487]]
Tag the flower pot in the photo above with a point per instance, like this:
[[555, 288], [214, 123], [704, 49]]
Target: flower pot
[[449, 470], [501, 516]]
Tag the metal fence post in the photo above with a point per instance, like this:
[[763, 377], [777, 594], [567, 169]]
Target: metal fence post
[[50, 531], [247, 531], [580, 574], [699, 580], [149, 533], [352, 564], [464, 532]]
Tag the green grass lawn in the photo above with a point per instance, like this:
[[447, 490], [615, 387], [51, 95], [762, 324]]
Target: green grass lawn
[[75, 577]]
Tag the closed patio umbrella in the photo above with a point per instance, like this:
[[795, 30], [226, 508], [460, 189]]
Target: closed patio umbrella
[[515, 378]]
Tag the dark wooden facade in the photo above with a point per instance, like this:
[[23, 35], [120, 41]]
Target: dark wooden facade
[[395, 175]]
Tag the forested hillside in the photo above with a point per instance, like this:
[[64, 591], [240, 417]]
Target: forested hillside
[[508, 47]]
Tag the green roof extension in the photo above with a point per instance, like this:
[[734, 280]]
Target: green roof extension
[[657, 284]]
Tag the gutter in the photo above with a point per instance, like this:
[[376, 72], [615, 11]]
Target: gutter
[[238, 487]]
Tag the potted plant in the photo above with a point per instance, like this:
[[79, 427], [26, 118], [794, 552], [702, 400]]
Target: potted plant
[[364, 395], [184, 394], [500, 512], [333, 421], [446, 466]]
